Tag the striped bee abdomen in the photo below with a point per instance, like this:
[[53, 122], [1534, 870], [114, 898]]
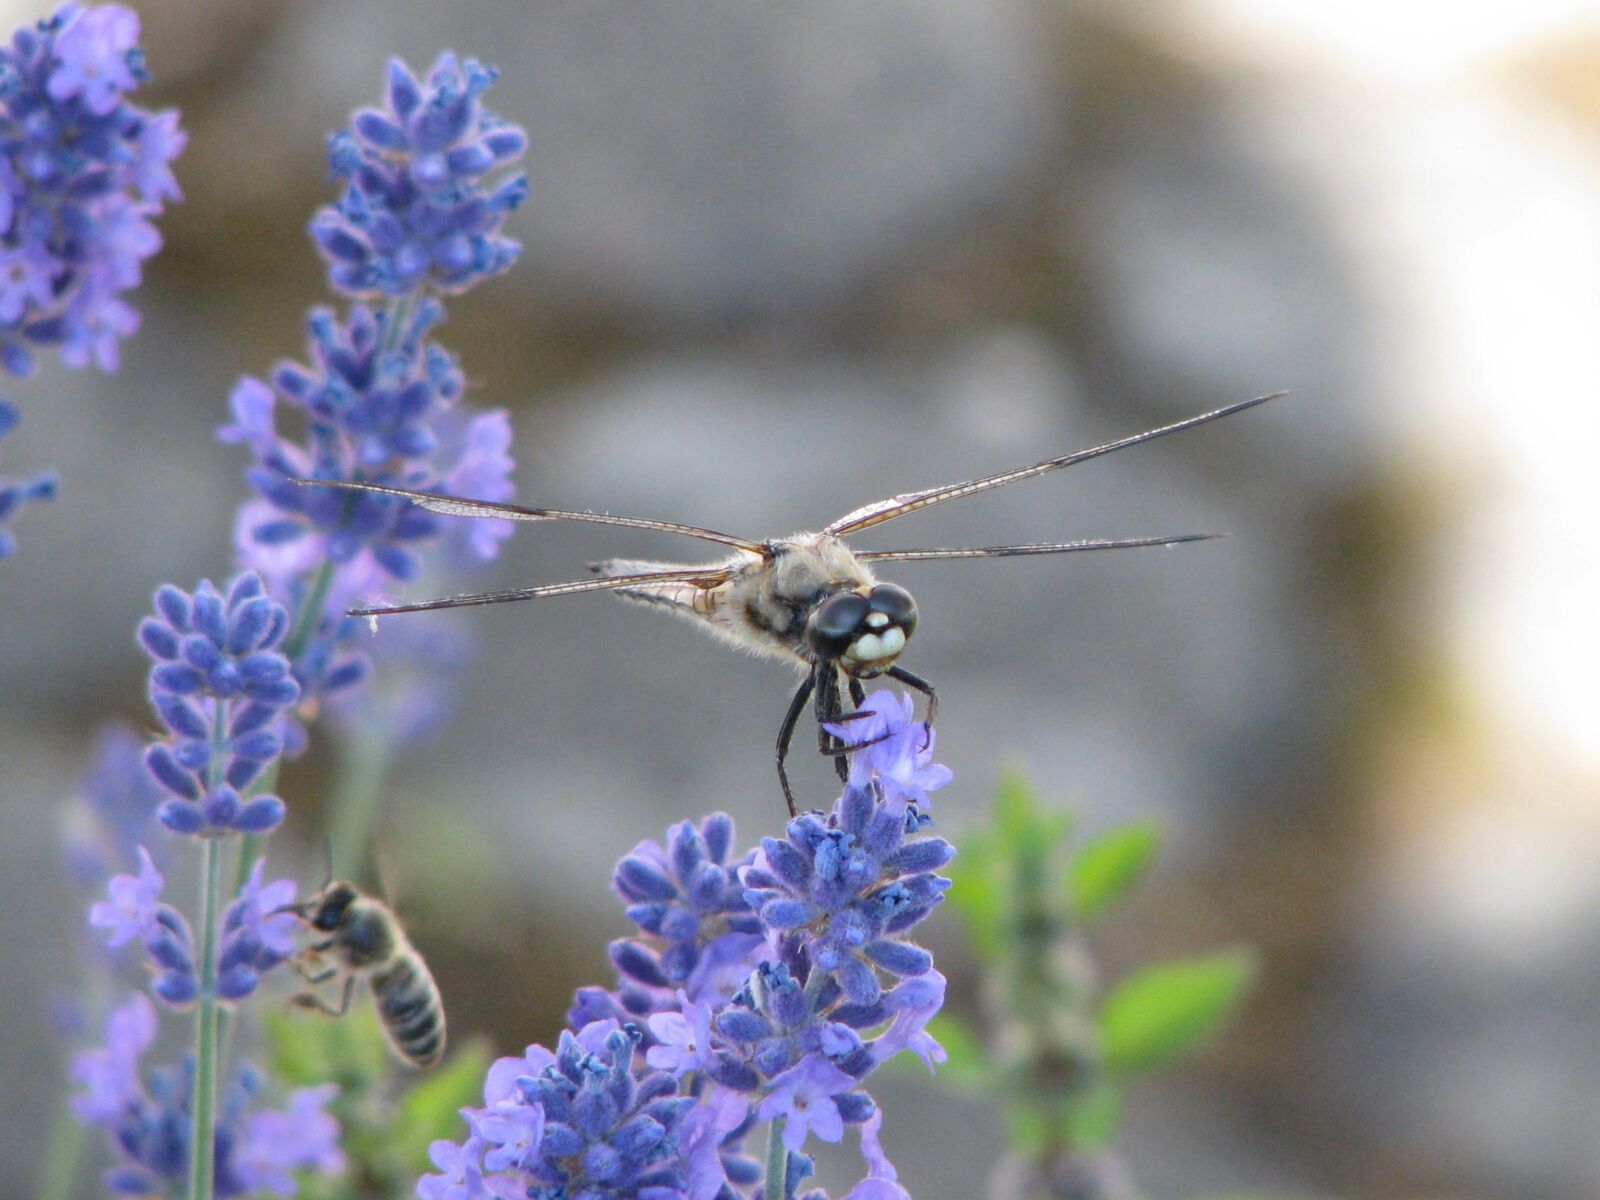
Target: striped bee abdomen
[[408, 1004]]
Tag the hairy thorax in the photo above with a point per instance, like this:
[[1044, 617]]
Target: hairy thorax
[[769, 601]]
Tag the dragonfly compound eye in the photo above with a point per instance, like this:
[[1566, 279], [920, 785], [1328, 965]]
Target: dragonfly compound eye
[[834, 624], [894, 602]]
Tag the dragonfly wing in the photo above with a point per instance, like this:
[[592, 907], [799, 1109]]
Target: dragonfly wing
[[455, 506], [1032, 548], [880, 511], [708, 576]]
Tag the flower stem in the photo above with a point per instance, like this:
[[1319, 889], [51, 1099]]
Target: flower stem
[[310, 614], [777, 1185], [58, 1170], [203, 1103], [361, 765]]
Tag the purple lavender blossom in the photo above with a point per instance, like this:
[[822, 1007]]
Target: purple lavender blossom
[[82, 174], [821, 920], [134, 910], [417, 209], [131, 909], [16, 493], [147, 1120], [375, 408], [903, 760], [374, 413], [687, 896], [257, 934], [842, 891], [109, 1075], [591, 1121], [275, 1143], [809, 1095], [221, 689]]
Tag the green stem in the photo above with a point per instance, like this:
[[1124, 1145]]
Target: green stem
[[395, 318], [203, 1104], [359, 773], [776, 1187], [310, 614], [59, 1167]]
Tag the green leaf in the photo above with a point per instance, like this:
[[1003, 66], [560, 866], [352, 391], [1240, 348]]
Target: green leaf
[[1014, 809], [1163, 1012], [1106, 867], [1092, 1120], [976, 894], [1026, 1129], [429, 1109], [1024, 826]]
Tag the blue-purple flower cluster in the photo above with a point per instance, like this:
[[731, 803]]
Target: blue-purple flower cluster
[[417, 208], [221, 688], [378, 404], [15, 493], [82, 174], [377, 401], [147, 1116], [257, 934], [761, 989]]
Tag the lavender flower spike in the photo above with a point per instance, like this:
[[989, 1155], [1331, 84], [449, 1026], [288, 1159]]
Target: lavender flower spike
[[417, 210], [82, 173], [221, 689]]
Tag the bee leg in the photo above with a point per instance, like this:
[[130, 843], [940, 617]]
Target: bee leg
[[926, 688], [786, 734], [314, 1001], [310, 975]]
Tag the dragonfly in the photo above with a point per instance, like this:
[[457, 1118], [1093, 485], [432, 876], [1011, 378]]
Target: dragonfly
[[808, 598]]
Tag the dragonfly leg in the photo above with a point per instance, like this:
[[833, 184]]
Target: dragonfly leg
[[926, 688], [786, 734]]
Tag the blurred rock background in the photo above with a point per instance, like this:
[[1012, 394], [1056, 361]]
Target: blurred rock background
[[781, 260]]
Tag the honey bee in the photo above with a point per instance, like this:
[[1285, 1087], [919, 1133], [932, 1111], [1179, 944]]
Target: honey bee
[[807, 598], [366, 941]]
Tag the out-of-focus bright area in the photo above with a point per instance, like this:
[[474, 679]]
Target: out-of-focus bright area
[[781, 260]]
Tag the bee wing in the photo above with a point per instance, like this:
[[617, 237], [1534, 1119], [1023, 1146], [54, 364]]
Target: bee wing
[[1032, 548], [454, 506], [704, 576], [880, 511]]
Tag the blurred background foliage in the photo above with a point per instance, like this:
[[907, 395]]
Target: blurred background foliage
[[783, 260]]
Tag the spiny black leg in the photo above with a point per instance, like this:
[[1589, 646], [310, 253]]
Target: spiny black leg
[[786, 734], [827, 706], [858, 692], [311, 1000], [826, 741], [926, 688]]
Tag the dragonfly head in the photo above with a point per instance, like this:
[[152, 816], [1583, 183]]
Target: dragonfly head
[[863, 631]]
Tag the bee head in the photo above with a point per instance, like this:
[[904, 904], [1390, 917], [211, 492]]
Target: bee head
[[863, 632], [325, 910]]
